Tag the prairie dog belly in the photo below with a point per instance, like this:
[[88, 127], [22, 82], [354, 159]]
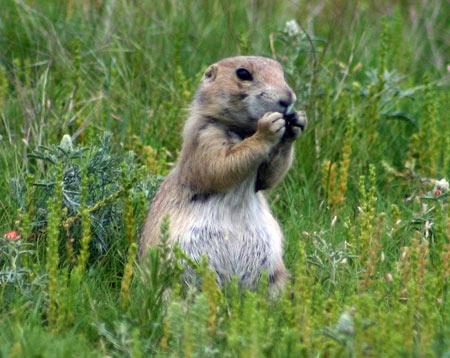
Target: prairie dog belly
[[236, 230]]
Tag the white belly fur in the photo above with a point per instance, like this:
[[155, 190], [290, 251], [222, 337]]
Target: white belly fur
[[236, 230]]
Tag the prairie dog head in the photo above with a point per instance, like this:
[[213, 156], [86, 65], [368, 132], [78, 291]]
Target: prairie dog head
[[240, 90]]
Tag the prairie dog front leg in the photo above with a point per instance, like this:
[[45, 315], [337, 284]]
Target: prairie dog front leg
[[280, 158], [219, 166]]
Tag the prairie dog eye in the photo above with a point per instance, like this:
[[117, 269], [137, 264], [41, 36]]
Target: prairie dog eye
[[243, 74]]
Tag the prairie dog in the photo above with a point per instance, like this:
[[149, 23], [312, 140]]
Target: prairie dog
[[235, 144]]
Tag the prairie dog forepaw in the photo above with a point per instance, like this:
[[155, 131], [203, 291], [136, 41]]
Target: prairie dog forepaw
[[271, 126], [295, 124]]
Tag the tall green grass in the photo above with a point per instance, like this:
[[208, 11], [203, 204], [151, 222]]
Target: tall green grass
[[367, 226]]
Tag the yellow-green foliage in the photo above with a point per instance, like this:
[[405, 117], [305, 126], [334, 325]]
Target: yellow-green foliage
[[426, 144], [385, 39], [3, 85], [367, 214], [130, 230], [336, 186], [85, 225], [52, 253]]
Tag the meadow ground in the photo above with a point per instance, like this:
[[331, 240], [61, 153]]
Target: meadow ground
[[364, 208]]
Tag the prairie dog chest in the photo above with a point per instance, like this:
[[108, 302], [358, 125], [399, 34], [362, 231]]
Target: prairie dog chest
[[237, 232]]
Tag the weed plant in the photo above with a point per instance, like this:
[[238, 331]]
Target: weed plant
[[93, 95]]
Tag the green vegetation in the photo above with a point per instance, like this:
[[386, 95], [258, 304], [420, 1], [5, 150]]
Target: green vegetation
[[367, 225]]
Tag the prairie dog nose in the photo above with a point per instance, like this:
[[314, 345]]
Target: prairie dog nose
[[287, 98]]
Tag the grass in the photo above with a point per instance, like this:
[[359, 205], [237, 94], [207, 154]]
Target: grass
[[367, 228]]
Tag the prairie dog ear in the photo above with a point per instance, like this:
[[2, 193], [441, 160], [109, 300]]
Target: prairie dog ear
[[210, 73]]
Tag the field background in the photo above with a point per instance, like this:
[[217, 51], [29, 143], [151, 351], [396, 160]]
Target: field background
[[367, 226]]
